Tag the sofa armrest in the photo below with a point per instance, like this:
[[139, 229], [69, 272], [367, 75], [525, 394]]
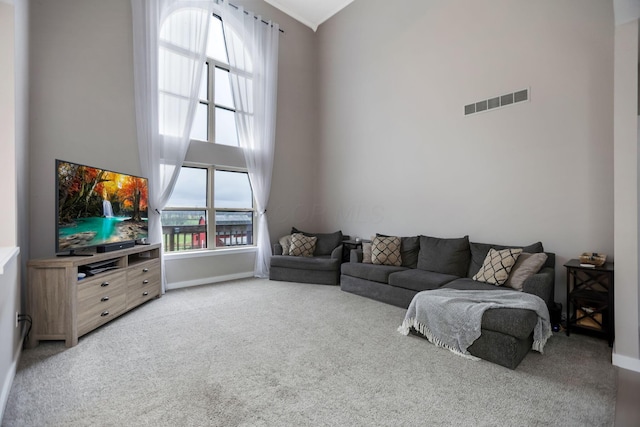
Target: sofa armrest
[[355, 255], [277, 249], [337, 252], [542, 284]]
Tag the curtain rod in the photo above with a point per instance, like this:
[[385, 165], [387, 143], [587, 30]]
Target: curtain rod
[[254, 16]]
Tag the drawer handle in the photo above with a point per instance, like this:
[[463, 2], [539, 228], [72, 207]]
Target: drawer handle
[[104, 284], [144, 282], [104, 299], [144, 294], [104, 313], [145, 270]]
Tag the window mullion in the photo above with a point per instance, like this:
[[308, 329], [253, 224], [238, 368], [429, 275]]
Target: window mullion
[[211, 211], [211, 108]]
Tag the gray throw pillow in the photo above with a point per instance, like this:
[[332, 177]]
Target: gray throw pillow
[[366, 252], [285, 242], [526, 266], [326, 242], [445, 256]]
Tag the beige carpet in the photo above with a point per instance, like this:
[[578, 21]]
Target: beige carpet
[[257, 352]]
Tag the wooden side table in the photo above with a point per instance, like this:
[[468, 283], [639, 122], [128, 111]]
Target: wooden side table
[[590, 302]]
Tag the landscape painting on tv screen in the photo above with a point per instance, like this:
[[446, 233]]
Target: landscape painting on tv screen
[[97, 206]]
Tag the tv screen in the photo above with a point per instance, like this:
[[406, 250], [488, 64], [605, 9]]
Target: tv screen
[[97, 206]]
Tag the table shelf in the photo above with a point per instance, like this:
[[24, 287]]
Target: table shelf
[[590, 302]]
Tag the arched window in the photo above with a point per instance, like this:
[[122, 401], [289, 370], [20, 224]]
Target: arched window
[[178, 66], [210, 207], [215, 116]]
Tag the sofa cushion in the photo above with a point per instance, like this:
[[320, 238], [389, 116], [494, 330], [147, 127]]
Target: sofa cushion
[[385, 250], [479, 252], [375, 273], [409, 250], [470, 285], [526, 266], [305, 263], [446, 256], [326, 243], [497, 266], [302, 245], [516, 322], [419, 280]]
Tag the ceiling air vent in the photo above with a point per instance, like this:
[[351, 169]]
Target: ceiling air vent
[[497, 102]]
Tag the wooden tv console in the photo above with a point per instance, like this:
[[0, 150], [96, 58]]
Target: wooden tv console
[[65, 307]]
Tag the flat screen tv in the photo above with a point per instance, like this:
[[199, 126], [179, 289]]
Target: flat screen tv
[[96, 207]]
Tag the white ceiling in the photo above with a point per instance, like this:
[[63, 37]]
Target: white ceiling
[[310, 12]]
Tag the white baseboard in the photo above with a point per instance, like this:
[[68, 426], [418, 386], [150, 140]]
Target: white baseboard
[[625, 362], [8, 381], [208, 280]]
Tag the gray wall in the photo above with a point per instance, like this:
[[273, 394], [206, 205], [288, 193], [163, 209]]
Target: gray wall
[[627, 345], [83, 111], [13, 175], [397, 155], [82, 107]]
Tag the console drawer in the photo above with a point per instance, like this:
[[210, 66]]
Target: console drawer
[[102, 312], [100, 299], [136, 296], [144, 274], [92, 291]]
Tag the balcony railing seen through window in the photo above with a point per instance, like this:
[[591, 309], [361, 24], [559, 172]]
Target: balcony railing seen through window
[[185, 231]]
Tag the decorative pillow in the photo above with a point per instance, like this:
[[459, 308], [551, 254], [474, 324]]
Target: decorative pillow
[[526, 266], [302, 245], [444, 256], [409, 250], [497, 265], [386, 251], [479, 252], [285, 242], [366, 252], [326, 242]]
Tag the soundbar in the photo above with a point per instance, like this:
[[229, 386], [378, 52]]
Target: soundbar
[[110, 247]]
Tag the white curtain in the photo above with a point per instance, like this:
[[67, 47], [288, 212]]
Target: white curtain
[[253, 58], [169, 48]]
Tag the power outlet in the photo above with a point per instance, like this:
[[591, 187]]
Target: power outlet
[[17, 319]]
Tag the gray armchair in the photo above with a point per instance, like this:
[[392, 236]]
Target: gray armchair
[[322, 268]]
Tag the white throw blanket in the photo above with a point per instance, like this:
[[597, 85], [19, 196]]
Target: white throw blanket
[[451, 318]]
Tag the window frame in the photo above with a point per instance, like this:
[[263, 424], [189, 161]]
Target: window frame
[[211, 210], [215, 210], [211, 65]]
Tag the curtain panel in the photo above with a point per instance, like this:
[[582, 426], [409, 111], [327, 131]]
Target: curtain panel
[[169, 48], [253, 57]]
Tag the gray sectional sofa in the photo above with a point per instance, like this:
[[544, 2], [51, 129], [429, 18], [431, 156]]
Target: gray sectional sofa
[[431, 263]]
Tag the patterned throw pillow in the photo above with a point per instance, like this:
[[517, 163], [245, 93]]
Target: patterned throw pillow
[[497, 265], [386, 251], [302, 245]]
